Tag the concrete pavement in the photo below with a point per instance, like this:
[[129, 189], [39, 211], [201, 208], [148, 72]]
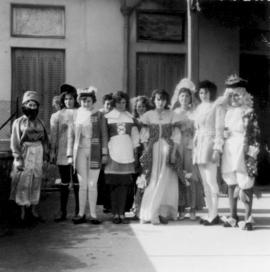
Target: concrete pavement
[[179, 246]]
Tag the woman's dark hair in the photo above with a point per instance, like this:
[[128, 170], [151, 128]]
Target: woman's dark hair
[[107, 97], [86, 94], [118, 96], [182, 90], [145, 101], [163, 95], [62, 99], [211, 87]]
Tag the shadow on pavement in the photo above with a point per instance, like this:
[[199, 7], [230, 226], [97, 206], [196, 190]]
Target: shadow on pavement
[[68, 247]]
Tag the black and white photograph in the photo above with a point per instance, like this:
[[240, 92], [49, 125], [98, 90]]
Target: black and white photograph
[[135, 135]]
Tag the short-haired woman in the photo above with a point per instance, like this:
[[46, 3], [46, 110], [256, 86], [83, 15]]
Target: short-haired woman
[[59, 123], [87, 148], [123, 141], [160, 198], [190, 194], [208, 142]]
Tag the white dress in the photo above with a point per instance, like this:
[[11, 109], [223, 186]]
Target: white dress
[[161, 195]]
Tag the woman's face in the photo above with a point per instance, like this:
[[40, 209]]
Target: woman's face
[[31, 105], [184, 99], [159, 102], [204, 95], [236, 99], [69, 101], [87, 103], [107, 105], [121, 105], [140, 108]]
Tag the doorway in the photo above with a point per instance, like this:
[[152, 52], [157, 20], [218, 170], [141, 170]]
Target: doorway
[[158, 71], [41, 70], [256, 69]]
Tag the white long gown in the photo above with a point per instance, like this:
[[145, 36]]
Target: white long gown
[[161, 195]]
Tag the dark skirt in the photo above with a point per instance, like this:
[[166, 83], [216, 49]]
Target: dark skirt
[[118, 179]]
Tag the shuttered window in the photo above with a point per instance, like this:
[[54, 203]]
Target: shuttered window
[[159, 71], [39, 70]]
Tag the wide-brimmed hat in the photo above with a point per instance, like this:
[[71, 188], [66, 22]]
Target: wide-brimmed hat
[[68, 89], [234, 81], [30, 95]]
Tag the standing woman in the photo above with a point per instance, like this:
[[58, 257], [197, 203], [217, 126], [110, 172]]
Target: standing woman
[[141, 105], [191, 194], [87, 148], [123, 140], [59, 133], [208, 141], [29, 145], [160, 198], [103, 188], [241, 148]]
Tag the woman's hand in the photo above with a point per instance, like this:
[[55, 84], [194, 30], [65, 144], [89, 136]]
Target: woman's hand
[[70, 160], [215, 156], [19, 164]]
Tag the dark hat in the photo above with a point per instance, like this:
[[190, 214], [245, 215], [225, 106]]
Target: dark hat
[[234, 81], [68, 89]]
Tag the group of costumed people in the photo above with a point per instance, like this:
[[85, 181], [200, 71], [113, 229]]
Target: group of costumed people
[[157, 161]]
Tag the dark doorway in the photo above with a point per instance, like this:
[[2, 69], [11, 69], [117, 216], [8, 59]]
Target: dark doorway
[[256, 69]]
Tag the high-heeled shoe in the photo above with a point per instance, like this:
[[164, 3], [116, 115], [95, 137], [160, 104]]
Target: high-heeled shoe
[[116, 220], [215, 221], [79, 220], [95, 221], [124, 220]]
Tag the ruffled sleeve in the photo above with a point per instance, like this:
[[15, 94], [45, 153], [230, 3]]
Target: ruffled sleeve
[[54, 125], [15, 139]]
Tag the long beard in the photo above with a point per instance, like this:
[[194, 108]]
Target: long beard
[[30, 113]]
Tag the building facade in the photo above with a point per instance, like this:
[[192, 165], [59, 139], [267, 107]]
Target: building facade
[[131, 45]]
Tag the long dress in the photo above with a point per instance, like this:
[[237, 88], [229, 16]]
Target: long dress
[[29, 143], [191, 195], [161, 195]]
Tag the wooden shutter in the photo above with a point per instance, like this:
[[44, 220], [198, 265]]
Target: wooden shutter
[[159, 71], [39, 70]]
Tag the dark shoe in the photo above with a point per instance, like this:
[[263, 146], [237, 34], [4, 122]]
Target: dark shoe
[[116, 220], [95, 221], [202, 221], [163, 220], [79, 220], [215, 221], [134, 218], [106, 210], [61, 218], [124, 220], [248, 226]]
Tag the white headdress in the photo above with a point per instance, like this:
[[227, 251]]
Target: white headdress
[[183, 83]]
